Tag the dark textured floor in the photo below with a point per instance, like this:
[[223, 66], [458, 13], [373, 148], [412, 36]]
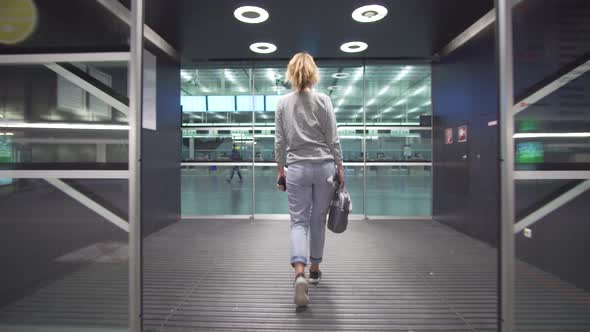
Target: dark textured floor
[[234, 275]]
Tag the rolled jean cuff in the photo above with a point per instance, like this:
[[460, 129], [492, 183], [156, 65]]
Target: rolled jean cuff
[[298, 259], [315, 260]]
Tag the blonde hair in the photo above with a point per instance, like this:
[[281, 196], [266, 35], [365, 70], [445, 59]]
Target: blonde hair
[[302, 71]]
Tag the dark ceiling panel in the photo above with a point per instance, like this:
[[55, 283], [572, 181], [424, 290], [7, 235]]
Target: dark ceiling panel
[[412, 29]]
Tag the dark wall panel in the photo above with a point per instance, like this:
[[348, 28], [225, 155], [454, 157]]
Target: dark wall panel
[[466, 191], [161, 152], [466, 174]]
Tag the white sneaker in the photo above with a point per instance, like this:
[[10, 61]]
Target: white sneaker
[[300, 298]]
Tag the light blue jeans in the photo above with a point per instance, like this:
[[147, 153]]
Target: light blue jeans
[[309, 194]]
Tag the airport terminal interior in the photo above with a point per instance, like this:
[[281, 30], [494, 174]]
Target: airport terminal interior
[[138, 173]]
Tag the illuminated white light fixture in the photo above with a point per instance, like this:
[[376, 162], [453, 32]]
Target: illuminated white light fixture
[[272, 75], [1, 116], [186, 75], [348, 90], [403, 73], [340, 102], [336, 110], [552, 135], [9, 134], [340, 75], [400, 102], [229, 75], [427, 103], [419, 91], [360, 110], [263, 48], [385, 88], [251, 14], [335, 88], [205, 90], [387, 110], [371, 102], [370, 13], [219, 116], [359, 75], [241, 89], [354, 47], [413, 110], [77, 126]]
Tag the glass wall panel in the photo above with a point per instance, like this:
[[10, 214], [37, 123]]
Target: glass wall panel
[[397, 99], [218, 144], [58, 248], [552, 134], [399, 191]]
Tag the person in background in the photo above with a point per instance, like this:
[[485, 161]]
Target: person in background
[[307, 142], [235, 156]]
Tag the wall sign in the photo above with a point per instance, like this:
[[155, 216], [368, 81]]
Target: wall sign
[[149, 91], [449, 136], [462, 133]]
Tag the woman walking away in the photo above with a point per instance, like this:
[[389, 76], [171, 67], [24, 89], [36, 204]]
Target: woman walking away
[[307, 142]]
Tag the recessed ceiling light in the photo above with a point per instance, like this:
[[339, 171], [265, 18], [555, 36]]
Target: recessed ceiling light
[[353, 47], [263, 48], [251, 14], [340, 75], [370, 13]]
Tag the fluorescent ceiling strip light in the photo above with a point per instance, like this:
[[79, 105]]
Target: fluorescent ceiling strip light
[[403, 73], [383, 90], [419, 91], [371, 102], [75, 126], [400, 102], [348, 90], [552, 135], [427, 103]]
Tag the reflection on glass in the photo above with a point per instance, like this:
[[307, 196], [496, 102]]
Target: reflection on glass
[[51, 122]]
